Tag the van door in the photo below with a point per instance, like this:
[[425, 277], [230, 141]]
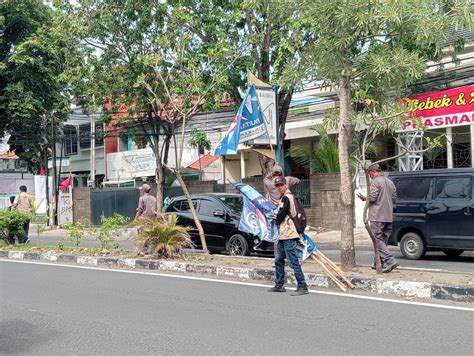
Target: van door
[[451, 216], [413, 193]]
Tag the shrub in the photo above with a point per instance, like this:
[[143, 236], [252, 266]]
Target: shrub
[[11, 225], [41, 223], [110, 228], [162, 236], [75, 232]]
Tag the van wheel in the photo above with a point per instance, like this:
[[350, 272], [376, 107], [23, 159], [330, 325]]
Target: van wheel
[[237, 245], [412, 246], [453, 253]]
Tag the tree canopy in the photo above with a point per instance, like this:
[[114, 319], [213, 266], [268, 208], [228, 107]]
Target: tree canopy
[[37, 48], [380, 45]]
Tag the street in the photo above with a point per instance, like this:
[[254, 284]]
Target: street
[[64, 310], [364, 254]]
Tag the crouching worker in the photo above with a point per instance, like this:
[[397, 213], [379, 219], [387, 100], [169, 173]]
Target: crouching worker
[[286, 246]]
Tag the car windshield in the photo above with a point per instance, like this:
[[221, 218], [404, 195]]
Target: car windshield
[[234, 203]]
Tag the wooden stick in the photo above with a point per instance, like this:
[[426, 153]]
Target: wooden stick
[[339, 272], [329, 273], [329, 266]]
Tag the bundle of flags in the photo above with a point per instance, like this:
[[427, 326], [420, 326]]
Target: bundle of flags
[[258, 219], [258, 214], [247, 125]]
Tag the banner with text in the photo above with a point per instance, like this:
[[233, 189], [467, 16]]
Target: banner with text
[[446, 108]]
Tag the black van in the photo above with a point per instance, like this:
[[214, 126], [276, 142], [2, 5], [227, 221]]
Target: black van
[[434, 211]]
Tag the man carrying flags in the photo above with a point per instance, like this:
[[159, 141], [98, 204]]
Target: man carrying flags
[[288, 241]]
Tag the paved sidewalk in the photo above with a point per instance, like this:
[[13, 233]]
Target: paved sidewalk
[[322, 236]]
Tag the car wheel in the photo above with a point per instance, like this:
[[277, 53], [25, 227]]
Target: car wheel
[[237, 245], [412, 246], [453, 253]]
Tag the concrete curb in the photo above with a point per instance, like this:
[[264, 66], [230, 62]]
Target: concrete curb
[[378, 286]]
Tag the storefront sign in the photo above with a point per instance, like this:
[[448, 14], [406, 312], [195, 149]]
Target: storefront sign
[[446, 108]]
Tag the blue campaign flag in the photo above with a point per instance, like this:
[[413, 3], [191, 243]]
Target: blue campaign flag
[[266, 206], [254, 222], [248, 124], [257, 214]]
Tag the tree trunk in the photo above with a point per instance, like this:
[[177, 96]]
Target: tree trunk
[[347, 194], [195, 216], [159, 178]]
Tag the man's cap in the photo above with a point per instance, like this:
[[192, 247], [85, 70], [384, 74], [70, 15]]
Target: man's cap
[[145, 187], [277, 169], [279, 181], [374, 167]]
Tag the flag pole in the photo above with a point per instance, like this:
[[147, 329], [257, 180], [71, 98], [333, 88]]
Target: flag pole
[[264, 121]]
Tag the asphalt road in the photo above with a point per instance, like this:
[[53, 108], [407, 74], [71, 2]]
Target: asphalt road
[[54, 310], [364, 255]]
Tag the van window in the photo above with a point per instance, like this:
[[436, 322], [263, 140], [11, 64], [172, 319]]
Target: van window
[[412, 188], [453, 188]]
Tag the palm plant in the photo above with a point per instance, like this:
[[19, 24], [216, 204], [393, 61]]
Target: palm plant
[[163, 236], [325, 158]]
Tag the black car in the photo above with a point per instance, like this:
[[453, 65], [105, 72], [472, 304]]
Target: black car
[[434, 211], [219, 214]]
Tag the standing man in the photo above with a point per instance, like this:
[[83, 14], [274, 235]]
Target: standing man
[[24, 204], [146, 203], [146, 208], [269, 182], [286, 245], [381, 198]]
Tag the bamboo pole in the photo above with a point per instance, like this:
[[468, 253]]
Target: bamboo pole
[[339, 272], [330, 274]]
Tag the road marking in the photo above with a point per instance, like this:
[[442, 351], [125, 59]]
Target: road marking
[[386, 300]]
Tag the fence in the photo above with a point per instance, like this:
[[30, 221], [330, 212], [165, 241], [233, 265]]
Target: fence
[[303, 192], [107, 202]]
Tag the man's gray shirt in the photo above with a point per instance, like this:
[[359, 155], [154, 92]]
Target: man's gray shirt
[[382, 196]]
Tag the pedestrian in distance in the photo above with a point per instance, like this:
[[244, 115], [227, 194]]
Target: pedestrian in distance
[[382, 195], [24, 204], [12, 202], [146, 203], [288, 241], [269, 182], [146, 209]]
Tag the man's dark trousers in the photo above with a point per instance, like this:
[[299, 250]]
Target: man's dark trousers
[[287, 248], [23, 236], [382, 231]]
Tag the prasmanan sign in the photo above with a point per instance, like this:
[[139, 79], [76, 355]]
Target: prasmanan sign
[[446, 108]]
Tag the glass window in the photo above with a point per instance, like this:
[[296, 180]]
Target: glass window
[[412, 188], [70, 140], [235, 203], [85, 135], [453, 188], [207, 207], [183, 205]]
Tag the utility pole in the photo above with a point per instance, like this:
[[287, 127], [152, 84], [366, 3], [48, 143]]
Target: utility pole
[[54, 184], [92, 174], [45, 147]]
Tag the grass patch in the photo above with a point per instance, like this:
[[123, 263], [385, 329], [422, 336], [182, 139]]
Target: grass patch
[[79, 251]]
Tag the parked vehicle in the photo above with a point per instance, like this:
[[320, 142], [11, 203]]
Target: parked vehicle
[[219, 214], [434, 211]]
